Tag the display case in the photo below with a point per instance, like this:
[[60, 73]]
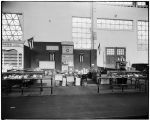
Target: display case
[[124, 79], [20, 79], [13, 54]]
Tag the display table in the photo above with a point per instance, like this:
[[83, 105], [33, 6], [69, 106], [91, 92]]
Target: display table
[[122, 84], [9, 79]]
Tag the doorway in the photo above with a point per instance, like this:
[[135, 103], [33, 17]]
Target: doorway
[[114, 54]]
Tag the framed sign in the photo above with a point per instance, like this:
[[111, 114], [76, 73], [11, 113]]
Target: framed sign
[[47, 64], [59, 77], [67, 59], [67, 49], [52, 48], [64, 68]]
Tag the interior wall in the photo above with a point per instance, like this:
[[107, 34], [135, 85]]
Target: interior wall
[[52, 22], [48, 21], [118, 38]]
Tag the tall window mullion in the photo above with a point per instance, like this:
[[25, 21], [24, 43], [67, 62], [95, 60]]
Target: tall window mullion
[[81, 32], [81, 58], [114, 24], [142, 35], [52, 57], [11, 27]]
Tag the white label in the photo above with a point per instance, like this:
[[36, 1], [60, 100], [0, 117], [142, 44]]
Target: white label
[[67, 59], [67, 49], [47, 64], [52, 48]]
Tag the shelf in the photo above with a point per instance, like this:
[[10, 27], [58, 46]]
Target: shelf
[[22, 72], [24, 79]]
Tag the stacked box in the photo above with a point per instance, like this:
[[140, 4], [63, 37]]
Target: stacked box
[[70, 80], [78, 81], [64, 82]]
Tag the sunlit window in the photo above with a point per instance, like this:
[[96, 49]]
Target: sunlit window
[[142, 29], [118, 3], [120, 51], [114, 24], [126, 4], [141, 4], [110, 51], [11, 27], [81, 32]]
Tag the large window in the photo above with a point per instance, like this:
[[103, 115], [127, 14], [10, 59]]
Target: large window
[[120, 51], [141, 4], [110, 51], [52, 57], [81, 32], [114, 24], [142, 43], [118, 3], [11, 27], [126, 4]]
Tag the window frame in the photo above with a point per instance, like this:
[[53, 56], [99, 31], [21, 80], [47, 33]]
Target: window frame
[[82, 35], [51, 56], [110, 51], [146, 45], [121, 22], [120, 51], [16, 30]]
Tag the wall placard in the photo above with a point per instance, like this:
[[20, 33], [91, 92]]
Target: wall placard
[[64, 68], [52, 48], [67, 59], [47, 64], [11, 45], [67, 49]]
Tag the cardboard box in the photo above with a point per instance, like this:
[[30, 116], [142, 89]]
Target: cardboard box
[[77, 81]]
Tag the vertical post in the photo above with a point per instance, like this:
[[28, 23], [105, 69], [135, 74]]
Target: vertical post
[[92, 36], [22, 87], [92, 25], [146, 79], [98, 85], [99, 82], [51, 85], [111, 83], [41, 88]]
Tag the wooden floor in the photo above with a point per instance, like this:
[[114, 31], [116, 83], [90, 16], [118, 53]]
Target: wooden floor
[[117, 105]]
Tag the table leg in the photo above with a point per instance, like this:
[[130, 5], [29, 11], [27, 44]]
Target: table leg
[[122, 87], [41, 88], [111, 84], [51, 85], [145, 85], [99, 84], [22, 87], [136, 84], [131, 82]]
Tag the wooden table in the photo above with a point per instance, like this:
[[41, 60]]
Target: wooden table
[[137, 80], [23, 80]]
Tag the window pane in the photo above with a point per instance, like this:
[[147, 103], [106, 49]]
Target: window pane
[[115, 24], [9, 22], [83, 26], [110, 52], [142, 35]]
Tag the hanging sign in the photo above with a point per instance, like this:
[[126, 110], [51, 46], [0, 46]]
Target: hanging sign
[[11, 45], [47, 64], [67, 59], [67, 49], [52, 48], [64, 68]]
